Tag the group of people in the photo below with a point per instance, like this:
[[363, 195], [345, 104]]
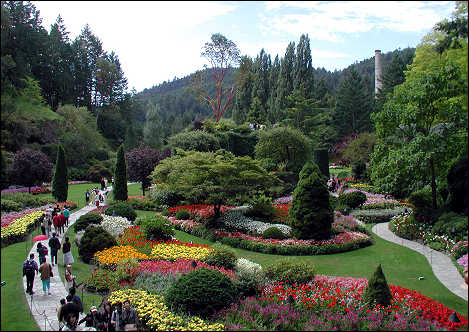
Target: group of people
[[57, 217], [110, 318], [96, 195]]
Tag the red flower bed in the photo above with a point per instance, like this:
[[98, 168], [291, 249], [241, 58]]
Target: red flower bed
[[283, 210], [181, 265], [201, 210]]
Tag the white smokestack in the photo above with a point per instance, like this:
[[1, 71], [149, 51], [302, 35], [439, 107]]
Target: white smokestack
[[378, 72]]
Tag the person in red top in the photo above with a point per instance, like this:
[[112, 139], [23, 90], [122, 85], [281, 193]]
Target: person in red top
[[56, 221], [62, 221]]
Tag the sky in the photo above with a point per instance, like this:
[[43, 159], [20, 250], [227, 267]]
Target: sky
[[158, 41]]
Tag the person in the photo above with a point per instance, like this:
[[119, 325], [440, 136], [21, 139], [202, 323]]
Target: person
[[92, 319], [69, 308], [43, 226], [29, 266], [106, 317], [56, 220], [102, 183], [46, 273], [59, 310], [76, 298], [56, 209], [66, 214], [42, 251], [49, 225], [129, 317], [87, 196], [62, 222], [70, 279], [96, 200], [54, 244], [70, 323], [66, 249], [101, 198], [116, 320]]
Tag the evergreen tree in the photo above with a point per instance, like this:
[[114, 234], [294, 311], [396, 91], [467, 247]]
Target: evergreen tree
[[304, 80], [272, 112], [311, 213], [260, 86], [377, 291], [119, 187], [257, 113], [130, 139], [244, 97], [153, 125], [354, 105], [60, 180], [285, 79]]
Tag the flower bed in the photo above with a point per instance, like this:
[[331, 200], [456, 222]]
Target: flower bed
[[117, 254], [115, 225], [156, 316], [79, 182], [235, 220], [201, 210], [378, 215], [180, 265], [372, 198], [174, 249], [16, 230], [283, 200]]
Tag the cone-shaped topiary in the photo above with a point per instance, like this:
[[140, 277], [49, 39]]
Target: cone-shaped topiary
[[120, 177], [377, 291], [60, 180], [311, 213]]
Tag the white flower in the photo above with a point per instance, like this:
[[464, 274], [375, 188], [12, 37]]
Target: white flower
[[115, 225]]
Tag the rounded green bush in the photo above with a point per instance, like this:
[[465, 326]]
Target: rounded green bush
[[91, 218], [273, 233], [353, 199], [156, 228], [201, 292], [95, 239], [183, 215], [290, 272], [261, 207], [9, 205], [221, 256], [122, 209]]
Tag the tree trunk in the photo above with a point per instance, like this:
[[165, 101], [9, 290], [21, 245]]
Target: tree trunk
[[432, 169]]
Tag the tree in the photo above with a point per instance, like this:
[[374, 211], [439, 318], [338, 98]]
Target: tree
[[212, 177], [244, 97], [197, 140], [260, 87], [286, 77], [454, 30], [141, 162], [152, 130], [272, 112], [222, 54], [377, 291], [119, 187], [284, 145], [60, 179], [311, 213], [304, 80], [360, 148], [30, 168], [257, 113]]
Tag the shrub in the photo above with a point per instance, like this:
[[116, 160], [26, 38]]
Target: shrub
[[182, 215], [459, 249], [163, 195], [142, 204], [156, 282], [422, 201], [221, 256], [452, 225], [156, 228], [458, 178], [201, 292], [359, 170], [28, 200], [290, 272], [9, 205], [250, 277], [122, 209], [378, 215], [353, 199], [377, 291], [273, 233], [85, 220], [311, 214], [95, 239], [197, 140], [261, 207]]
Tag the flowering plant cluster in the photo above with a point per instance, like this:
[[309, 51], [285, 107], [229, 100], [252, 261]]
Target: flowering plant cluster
[[200, 210], [102, 279], [8, 218], [459, 249], [282, 211], [180, 265], [284, 200], [134, 237], [236, 220], [115, 225], [344, 223], [20, 190], [174, 249], [117, 254], [41, 190], [373, 198], [79, 182], [20, 226], [463, 261], [185, 225], [156, 316], [100, 209]]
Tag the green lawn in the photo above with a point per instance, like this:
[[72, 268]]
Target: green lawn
[[76, 193]]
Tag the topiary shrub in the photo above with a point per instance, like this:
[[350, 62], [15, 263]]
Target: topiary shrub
[[201, 292], [377, 291], [95, 239], [290, 272], [273, 233], [85, 220], [458, 181], [261, 207], [422, 201], [353, 200], [183, 215], [311, 214], [122, 209], [156, 228], [221, 256]]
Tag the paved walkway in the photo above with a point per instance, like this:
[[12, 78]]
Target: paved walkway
[[44, 307], [441, 264]]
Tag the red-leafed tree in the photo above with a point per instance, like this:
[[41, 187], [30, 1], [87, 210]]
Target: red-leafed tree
[[141, 162], [222, 55]]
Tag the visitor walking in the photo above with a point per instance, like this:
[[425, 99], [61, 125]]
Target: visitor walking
[[116, 320], [66, 249], [106, 317], [69, 308], [87, 196], [43, 226], [76, 298], [129, 317], [42, 251], [46, 273], [48, 218], [54, 244], [56, 222], [66, 214], [59, 310], [62, 223], [96, 200], [30, 269], [70, 279]]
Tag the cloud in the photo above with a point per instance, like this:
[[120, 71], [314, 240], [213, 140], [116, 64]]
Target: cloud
[[332, 20]]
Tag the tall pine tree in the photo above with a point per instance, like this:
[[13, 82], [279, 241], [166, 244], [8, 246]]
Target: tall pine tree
[[304, 80], [272, 112], [260, 87], [60, 180], [244, 97], [120, 177], [286, 77]]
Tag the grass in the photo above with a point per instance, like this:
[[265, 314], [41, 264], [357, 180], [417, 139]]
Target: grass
[[76, 193]]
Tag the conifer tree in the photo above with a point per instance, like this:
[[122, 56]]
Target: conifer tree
[[272, 112], [120, 176], [257, 113], [377, 291], [60, 180], [285, 79], [311, 213], [243, 98], [260, 86], [304, 80]]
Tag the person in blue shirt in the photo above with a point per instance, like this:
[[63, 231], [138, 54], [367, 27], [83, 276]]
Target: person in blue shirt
[[30, 269]]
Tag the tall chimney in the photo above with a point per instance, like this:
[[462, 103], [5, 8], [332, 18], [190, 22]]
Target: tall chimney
[[378, 72]]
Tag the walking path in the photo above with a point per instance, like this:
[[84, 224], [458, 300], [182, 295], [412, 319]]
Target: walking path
[[44, 307], [441, 264]]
